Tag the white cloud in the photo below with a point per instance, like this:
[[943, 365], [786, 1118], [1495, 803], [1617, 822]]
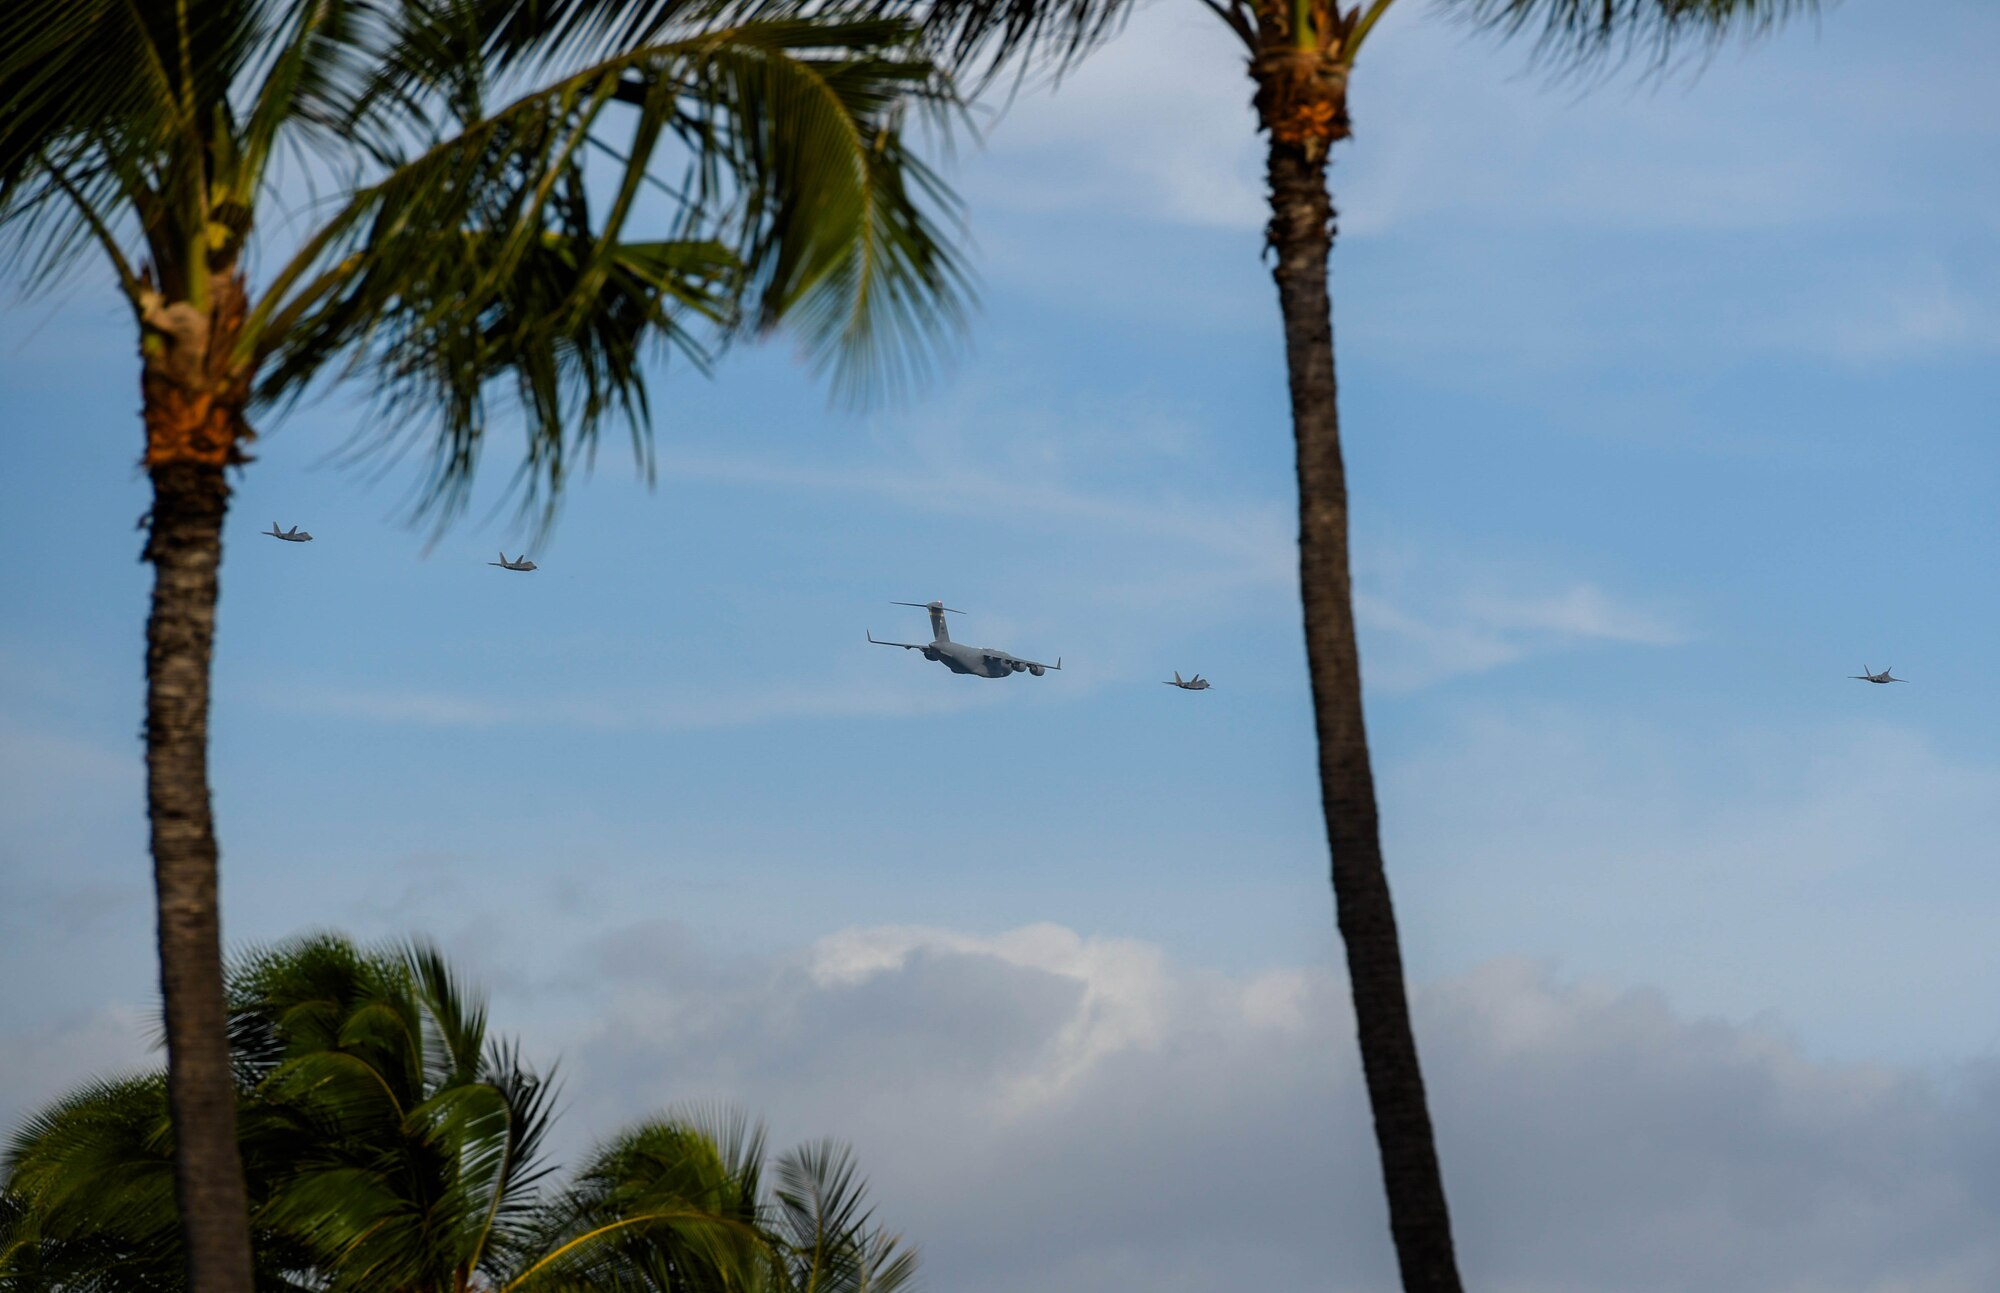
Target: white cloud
[[1039, 1109]]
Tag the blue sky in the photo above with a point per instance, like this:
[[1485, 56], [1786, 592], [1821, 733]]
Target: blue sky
[[1667, 407]]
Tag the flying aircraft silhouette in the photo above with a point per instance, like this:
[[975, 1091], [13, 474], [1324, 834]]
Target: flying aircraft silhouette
[[1196, 683], [519, 563], [1865, 676], [293, 535], [980, 662]]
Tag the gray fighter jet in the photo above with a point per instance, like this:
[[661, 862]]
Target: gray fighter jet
[[293, 535], [1196, 683], [1865, 676], [980, 662], [519, 563]]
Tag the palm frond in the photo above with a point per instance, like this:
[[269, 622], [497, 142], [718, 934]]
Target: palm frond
[[355, 1188], [91, 1179], [489, 269], [832, 1245], [1585, 35], [845, 249], [656, 1199], [88, 105]]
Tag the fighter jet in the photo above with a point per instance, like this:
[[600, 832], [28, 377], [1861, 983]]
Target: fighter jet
[[293, 535], [980, 662], [1865, 676], [1196, 683], [519, 563]]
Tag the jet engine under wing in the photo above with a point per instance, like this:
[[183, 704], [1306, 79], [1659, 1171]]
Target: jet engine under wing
[[907, 646], [1017, 664]]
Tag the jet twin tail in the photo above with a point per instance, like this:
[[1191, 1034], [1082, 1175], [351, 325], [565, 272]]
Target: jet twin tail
[[293, 535]]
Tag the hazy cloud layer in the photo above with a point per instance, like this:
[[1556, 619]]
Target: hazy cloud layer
[[1046, 1111], [1043, 1110]]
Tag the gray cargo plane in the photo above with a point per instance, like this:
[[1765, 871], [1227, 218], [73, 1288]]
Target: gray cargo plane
[[981, 662], [1865, 676], [293, 535], [519, 563], [1196, 683]]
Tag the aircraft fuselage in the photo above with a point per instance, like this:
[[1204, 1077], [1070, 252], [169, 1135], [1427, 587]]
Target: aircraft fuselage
[[979, 662]]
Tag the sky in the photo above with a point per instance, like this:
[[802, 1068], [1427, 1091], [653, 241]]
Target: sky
[[1667, 408]]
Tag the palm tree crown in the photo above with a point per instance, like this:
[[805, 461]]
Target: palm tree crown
[[391, 1144], [490, 162]]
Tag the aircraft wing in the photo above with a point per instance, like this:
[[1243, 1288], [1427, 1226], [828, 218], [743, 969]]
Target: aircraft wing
[[907, 646], [1003, 658]]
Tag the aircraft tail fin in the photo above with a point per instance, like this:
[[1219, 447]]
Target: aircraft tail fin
[[1177, 677], [938, 630]]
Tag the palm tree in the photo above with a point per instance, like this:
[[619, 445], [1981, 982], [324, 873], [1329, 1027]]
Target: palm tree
[[1300, 55], [463, 251], [390, 1144]]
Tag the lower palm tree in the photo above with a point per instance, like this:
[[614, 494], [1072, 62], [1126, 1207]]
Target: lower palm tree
[[389, 1143], [744, 171]]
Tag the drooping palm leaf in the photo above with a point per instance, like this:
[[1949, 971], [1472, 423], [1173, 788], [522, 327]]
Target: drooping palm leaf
[[477, 267], [1587, 34]]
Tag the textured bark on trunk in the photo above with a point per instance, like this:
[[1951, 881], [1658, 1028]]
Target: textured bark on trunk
[[185, 547], [1301, 235]]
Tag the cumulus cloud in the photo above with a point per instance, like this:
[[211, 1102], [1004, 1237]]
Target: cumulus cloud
[[1043, 1110], [1040, 1109]]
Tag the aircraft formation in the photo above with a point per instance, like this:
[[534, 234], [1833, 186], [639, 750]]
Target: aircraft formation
[[959, 657]]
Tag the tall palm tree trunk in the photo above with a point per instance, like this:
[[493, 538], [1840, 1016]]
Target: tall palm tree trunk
[[1301, 235], [185, 547]]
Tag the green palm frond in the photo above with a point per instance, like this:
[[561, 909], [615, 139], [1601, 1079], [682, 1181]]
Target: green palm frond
[[378, 1157], [1585, 34], [479, 267], [845, 252], [91, 1180], [538, 198], [659, 1198], [832, 1245], [456, 1013]]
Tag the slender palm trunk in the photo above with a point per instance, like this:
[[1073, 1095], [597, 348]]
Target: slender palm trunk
[[1301, 235], [185, 547]]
